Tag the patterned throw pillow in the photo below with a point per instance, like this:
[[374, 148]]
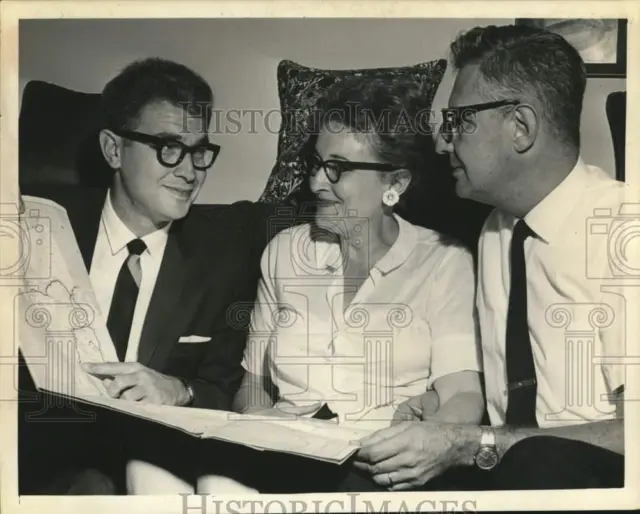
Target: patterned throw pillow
[[300, 87]]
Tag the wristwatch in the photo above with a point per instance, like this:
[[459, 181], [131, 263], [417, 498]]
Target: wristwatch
[[487, 456], [190, 392]]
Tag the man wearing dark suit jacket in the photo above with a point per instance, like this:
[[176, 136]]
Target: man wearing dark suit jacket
[[167, 276]]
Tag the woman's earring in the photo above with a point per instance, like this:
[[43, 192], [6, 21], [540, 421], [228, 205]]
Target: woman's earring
[[390, 197]]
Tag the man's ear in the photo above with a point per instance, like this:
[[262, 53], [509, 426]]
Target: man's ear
[[111, 146], [527, 125], [400, 180]]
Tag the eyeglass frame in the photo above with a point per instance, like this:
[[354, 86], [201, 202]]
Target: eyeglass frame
[[471, 109], [158, 143], [346, 165]]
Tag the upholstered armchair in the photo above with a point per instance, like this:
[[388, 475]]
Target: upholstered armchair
[[616, 114]]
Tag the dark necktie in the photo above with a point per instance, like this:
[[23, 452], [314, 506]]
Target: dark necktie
[[124, 299], [521, 373]]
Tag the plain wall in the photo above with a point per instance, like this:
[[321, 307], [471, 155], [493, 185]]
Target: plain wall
[[239, 58]]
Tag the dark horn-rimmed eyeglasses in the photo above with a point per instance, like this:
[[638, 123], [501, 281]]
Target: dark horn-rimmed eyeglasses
[[334, 168], [170, 151], [454, 118]]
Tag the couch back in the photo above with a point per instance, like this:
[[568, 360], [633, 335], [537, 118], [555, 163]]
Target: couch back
[[58, 134]]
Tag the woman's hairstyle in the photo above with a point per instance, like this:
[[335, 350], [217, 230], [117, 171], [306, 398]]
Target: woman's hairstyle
[[392, 113], [154, 80]]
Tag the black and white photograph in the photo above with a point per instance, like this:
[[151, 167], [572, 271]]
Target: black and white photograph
[[360, 260]]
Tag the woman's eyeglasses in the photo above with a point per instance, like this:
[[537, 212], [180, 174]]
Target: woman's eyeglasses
[[334, 168], [453, 118], [171, 152]]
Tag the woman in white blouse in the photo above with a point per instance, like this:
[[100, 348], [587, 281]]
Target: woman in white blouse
[[359, 310]]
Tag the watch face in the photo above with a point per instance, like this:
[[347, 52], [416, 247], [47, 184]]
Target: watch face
[[487, 457]]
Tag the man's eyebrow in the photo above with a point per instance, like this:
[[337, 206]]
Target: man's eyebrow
[[338, 157], [172, 136], [168, 135]]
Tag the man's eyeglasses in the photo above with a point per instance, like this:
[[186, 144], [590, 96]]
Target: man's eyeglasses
[[171, 152], [334, 168], [453, 118]]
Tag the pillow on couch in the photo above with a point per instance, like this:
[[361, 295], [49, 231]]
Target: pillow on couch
[[299, 88]]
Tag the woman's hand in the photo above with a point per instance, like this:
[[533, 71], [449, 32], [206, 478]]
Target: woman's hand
[[417, 408]]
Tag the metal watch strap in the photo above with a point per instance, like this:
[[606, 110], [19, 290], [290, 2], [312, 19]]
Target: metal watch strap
[[488, 437], [487, 456], [190, 392]]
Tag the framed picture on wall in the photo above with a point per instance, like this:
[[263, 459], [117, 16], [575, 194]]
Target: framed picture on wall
[[602, 43]]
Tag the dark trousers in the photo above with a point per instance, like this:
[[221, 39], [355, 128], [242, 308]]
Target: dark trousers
[[541, 462], [268, 472], [69, 449], [545, 462]]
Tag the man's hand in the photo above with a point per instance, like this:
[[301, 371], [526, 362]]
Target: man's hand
[[410, 453], [417, 408], [135, 382]]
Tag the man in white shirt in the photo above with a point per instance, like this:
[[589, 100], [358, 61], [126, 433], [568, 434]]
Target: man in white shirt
[[167, 274], [552, 312]]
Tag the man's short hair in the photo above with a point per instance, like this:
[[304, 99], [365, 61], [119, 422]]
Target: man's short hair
[[524, 62], [149, 81]]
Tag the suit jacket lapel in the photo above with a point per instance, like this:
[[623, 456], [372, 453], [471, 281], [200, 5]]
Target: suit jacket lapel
[[85, 221], [163, 315]]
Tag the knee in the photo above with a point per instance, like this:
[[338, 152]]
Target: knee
[[539, 452], [146, 478], [561, 463], [79, 482], [92, 481]]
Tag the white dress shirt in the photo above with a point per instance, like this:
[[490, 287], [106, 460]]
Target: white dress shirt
[[110, 253], [411, 322], [576, 321]]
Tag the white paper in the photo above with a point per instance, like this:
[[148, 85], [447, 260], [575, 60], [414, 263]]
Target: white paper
[[59, 323]]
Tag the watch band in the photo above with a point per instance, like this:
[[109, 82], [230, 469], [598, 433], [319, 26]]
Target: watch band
[[487, 456], [488, 437], [190, 392]]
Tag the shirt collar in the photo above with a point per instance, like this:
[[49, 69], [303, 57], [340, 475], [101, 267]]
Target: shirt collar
[[401, 248], [328, 254], [546, 218], [119, 235]]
